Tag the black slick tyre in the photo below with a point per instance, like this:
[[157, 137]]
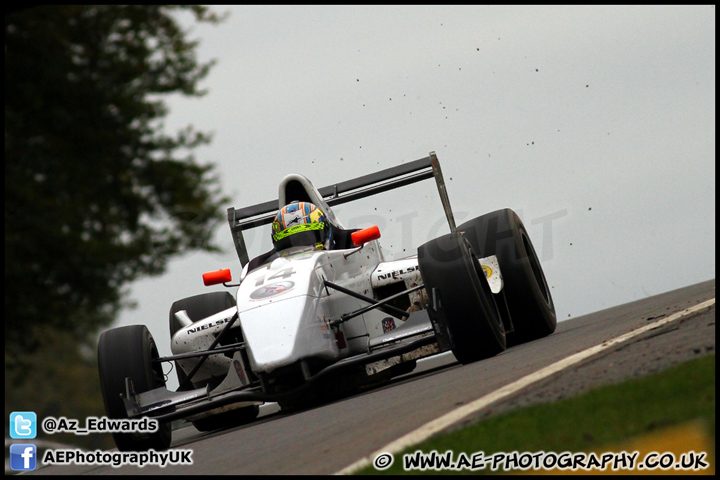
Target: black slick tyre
[[129, 352], [529, 301], [449, 266], [199, 307], [231, 418]]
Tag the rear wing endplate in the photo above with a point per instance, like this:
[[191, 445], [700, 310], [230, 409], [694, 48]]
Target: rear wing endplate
[[343, 192]]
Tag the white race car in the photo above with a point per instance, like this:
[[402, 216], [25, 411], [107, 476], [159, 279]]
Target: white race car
[[323, 314]]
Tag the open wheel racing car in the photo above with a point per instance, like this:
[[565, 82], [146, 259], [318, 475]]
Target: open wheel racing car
[[323, 314]]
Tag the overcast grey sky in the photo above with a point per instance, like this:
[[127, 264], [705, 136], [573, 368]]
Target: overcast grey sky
[[595, 123]]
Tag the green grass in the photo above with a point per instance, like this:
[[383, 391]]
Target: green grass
[[605, 415]]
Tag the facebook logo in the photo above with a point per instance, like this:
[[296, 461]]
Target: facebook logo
[[23, 425], [23, 456]]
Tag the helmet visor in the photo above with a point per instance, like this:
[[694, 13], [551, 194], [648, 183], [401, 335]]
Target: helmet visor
[[302, 235]]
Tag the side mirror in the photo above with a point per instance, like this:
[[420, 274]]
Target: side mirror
[[361, 237], [218, 276]]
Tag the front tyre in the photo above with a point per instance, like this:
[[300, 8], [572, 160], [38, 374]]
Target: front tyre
[[449, 266], [503, 234], [129, 352]]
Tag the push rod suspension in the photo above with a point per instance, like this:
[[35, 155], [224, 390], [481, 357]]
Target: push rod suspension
[[382, 303], [395, 310]]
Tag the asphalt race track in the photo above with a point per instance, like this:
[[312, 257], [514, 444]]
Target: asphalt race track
[[326, 439]]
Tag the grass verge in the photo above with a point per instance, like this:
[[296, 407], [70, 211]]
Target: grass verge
[[588, 422]]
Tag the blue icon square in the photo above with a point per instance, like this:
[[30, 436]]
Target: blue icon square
[[23, 425], [23, 456]]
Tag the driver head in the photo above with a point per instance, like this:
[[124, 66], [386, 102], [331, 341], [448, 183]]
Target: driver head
[[301, 224]]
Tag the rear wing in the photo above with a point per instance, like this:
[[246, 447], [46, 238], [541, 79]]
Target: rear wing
[[343, 192]]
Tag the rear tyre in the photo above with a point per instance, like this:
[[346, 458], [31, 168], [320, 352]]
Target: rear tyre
[[309, 399], [129, 352], [232, 418], [449, 265], [501, 233], [199, 307]]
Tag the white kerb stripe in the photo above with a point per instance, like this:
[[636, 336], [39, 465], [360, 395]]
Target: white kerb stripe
[[440, 423]]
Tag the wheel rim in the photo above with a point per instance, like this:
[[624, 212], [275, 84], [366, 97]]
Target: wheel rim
[[481, 275]]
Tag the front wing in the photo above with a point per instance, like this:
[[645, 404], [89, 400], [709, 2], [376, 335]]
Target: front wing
[[165, 405]]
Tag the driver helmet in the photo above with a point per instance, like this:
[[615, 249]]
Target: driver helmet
[[301, 224]]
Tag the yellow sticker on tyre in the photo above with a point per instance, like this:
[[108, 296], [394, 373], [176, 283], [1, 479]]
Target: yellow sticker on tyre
[[488, 271]]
